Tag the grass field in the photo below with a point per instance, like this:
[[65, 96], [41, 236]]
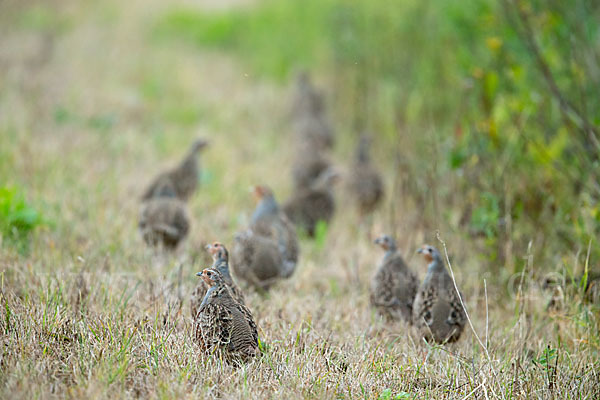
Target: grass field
[[93, 104]]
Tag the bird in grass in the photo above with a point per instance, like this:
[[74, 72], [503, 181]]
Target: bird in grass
[[307, 166], [268, 220], [220, 257], [306, 99], [365, 185], [256, 260], [268, 249], [394, 285], [182, 180], [223, 326], [307, 206], [314, 131], [438, 313], [164, 221], [309, 115]]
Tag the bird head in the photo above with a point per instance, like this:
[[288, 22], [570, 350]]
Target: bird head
[[386, 242], [198, 145], [217, 250], [211, 276], [261, 191], [429, 253]]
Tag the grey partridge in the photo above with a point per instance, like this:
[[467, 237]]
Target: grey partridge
[[256, 259], [182, 180], [223, 326], [307, 166], [365, 184], [220, 257], [394, 285], [310, 122], [268, 220], [307, 206], [315, 131], [164, 221], [306, 97], [438, 313]]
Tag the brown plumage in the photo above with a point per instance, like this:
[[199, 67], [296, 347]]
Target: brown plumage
[[437, 311], [223, 326], [394, 285], [182, 180], [268, 220], [306, 99], [307, 166], [365, 184], [310, 123], [314, 130], [308, 206], [256, 259], [164, 221], [268, 250], [220, 257]]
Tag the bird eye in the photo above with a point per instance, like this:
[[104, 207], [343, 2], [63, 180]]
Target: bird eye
[[208, 273]]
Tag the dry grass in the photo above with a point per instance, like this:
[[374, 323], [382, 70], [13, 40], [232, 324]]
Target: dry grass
[[90, 312]]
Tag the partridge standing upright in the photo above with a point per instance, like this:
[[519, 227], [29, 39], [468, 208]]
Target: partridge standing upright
[[164, 221], [394, 285], [183, 179], [437, 311], [268, 220], [267, 250], [307, 166], [310, 121], [223, 325], [256, 259], [306, 98], [314, 130], [308, 206], [220, 257], [365, 184]]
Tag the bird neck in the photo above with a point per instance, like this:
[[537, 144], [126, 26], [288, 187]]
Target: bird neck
[[210, 293], [266, 207], [362, 152], [218, 290], [435, 267], [191, 160], [223, 267], [390, 252]]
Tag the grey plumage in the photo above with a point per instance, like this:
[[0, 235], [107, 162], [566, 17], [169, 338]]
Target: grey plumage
[[220, 257], [307, 206], [394, 285], [365, 184], [181, 180], [307, 166], [268, 250], [311, 124], [256, 260], [269, 221], [164, 221], [437, 311], [222, 324]]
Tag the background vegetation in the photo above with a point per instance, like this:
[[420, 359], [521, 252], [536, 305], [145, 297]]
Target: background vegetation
[[486, 118]]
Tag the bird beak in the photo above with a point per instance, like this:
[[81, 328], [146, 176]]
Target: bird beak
[[208, 246], [377, 241], [199, 273], [420, 251]]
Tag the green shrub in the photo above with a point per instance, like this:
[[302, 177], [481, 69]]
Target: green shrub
[[17, 218]]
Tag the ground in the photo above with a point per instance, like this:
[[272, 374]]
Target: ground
[[91, 106]]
